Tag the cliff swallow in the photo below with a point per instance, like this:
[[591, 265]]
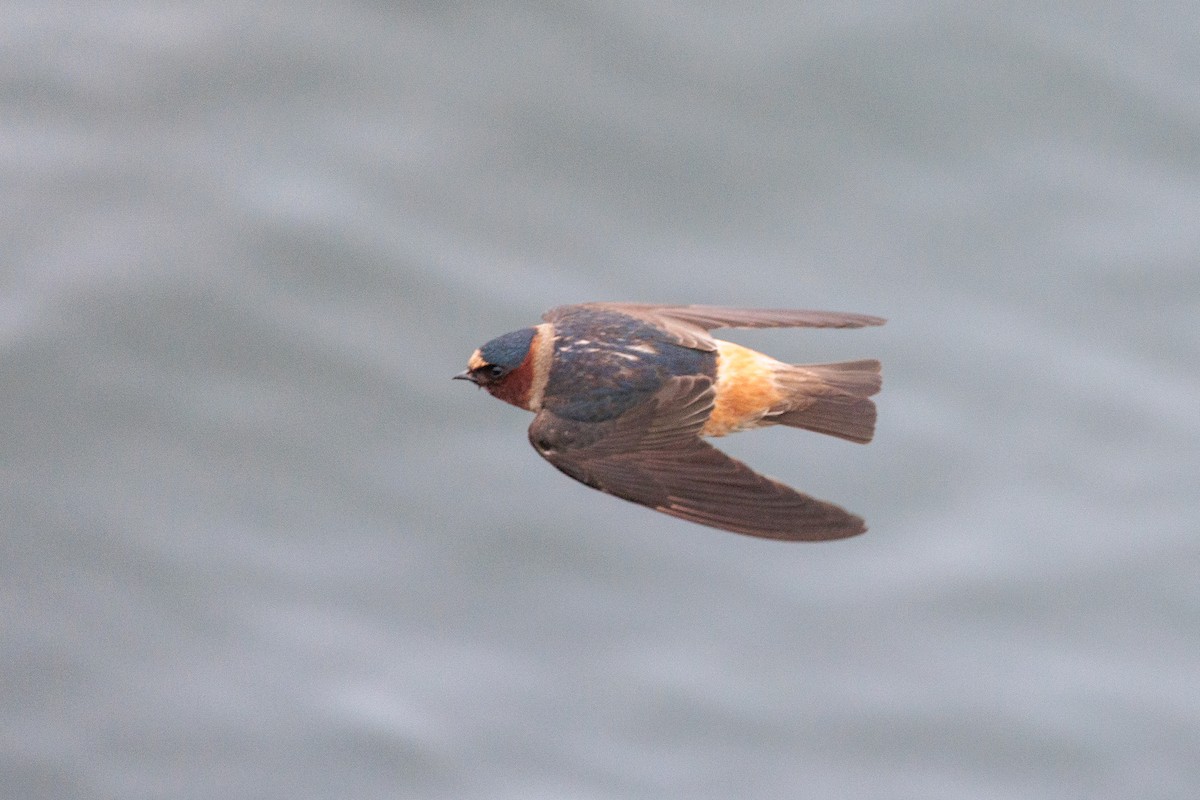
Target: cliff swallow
[[624, 391]]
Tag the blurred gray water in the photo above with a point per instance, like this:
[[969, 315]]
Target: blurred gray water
[[256, 544]]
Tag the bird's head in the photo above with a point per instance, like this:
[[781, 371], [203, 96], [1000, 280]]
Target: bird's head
[[504, 367]]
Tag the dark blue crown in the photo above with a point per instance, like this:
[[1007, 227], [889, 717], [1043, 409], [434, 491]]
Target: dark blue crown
[[510, 349]]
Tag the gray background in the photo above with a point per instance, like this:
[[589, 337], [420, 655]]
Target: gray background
[[256, 544]]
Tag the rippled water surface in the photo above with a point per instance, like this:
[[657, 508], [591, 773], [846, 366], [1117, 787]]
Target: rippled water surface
[[256, 544]]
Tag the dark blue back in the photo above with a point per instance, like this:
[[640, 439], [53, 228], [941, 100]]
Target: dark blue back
[[598, 375]]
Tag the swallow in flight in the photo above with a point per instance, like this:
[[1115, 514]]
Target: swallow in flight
[[623, 393]]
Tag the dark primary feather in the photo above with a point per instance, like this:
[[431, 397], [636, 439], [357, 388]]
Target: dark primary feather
[[652, 455], [690, 324]]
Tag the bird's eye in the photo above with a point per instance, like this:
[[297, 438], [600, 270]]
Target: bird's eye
[[495, 370]]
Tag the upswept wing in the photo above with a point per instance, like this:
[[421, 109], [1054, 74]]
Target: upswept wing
[[690, 324]]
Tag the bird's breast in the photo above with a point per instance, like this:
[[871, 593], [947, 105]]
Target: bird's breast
[[745, 389]]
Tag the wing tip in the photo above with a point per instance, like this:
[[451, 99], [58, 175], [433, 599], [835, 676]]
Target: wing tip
[[843, 525]]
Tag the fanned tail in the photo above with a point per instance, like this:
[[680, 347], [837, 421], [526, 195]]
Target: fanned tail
[[830, 398]]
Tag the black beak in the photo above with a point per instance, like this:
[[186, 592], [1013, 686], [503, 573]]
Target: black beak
[[465, 376]]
